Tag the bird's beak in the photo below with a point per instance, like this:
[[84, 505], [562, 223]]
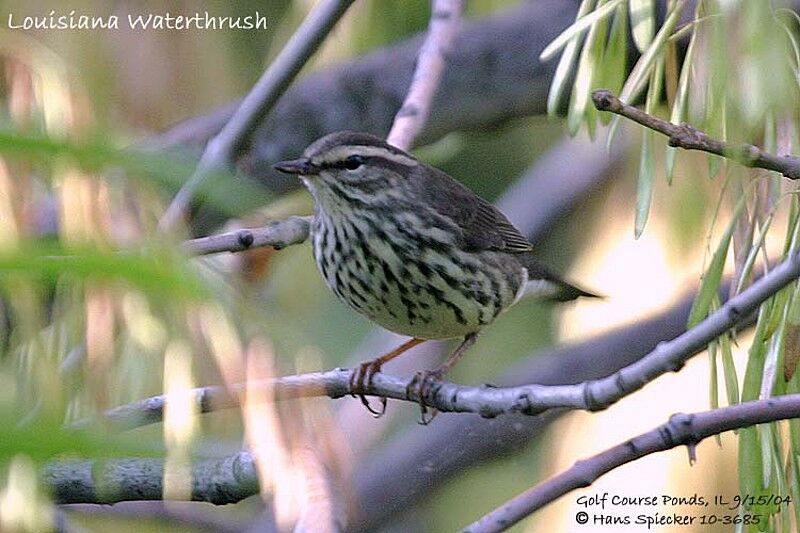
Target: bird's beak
[[302, 166]]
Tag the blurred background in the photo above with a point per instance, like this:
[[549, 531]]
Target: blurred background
[[97, 329]]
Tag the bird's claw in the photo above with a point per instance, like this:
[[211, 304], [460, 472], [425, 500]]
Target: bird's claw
[[361, 380], [420, 386]]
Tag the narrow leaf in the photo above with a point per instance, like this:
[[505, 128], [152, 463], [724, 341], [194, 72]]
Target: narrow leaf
[[679, 106], [615, 59], [590, 61], [641, 70], [644, 191], [712, 277], [642, 22], [578, 27], [644, 187], [565, 65], [729, 369]]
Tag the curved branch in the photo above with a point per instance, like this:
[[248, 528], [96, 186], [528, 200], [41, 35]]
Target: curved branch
[[680, 430], [690, 138]]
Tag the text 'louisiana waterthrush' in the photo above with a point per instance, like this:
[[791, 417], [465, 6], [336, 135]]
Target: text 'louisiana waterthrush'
[[411, 248]]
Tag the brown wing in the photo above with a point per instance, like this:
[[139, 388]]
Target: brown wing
[[483, 226]]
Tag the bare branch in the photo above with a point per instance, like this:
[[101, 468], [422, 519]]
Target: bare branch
[[444, 23], [231, 479], [532, 399], [221, 150], [680, 430], [278, 234], [493, 75], [690, 138], [390, 482], [218, 481]]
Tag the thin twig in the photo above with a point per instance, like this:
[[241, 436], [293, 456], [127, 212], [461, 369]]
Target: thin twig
[[222, 149], [680, 430], [278, 234], [533, 399], [690, 138], [442, 29]]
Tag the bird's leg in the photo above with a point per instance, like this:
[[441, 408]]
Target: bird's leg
[[361, 378], [424, 380]]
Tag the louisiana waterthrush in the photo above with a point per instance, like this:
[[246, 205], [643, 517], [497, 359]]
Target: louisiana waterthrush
[[412, 249]]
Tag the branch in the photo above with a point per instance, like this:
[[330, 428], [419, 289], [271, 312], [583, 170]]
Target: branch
[[221, 150], [690, 138], [493, 401], [278, 234], [682, 429], [218, 481], [390, 481], [493, 75], [444, 23]]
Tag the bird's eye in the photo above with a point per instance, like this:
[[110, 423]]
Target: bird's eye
[[353, 162]]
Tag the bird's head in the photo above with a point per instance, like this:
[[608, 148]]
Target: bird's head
[[351, 166]]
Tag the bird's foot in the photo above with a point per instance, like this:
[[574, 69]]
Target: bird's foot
[[361, 381], [420, 386]]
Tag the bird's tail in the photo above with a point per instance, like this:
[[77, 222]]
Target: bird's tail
[[546, 285]]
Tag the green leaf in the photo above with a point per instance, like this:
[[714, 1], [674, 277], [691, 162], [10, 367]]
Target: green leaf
[[635, 83], [588, 66], [752, 254], [640, 72], [681, 98], [750, 461], [151, 273], [729, 369], [565, 66], [644, 187], [612, 75], [794, 486], [577, 28], [166, 170], [712, 277], [644, 190], [47, 438], [642, 22], [713, 389]]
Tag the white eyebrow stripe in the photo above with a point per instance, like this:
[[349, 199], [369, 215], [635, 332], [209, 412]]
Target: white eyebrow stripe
[[341, 152]]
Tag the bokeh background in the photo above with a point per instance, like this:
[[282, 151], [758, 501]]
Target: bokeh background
[[79, 341]]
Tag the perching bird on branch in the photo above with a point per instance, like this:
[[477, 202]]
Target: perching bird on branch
[[412, 249]]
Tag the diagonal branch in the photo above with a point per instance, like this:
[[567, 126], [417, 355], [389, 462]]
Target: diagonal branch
[[221, 150], [531, 399], [442, 29], [690, 138], [681, 430]]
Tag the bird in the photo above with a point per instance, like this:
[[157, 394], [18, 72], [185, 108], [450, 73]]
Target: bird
[[413, 250]]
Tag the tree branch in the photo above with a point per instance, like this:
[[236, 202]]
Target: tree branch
[[444, 23], [390, 481], [681, 429], [218, 481], [221, 150], [493, 401], [493, 75], [690, 138], [278, 234]]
